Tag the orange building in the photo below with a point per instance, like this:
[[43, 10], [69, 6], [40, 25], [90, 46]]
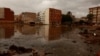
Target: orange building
[[96, 12], [52, 16], [6, 15], [55, 16]]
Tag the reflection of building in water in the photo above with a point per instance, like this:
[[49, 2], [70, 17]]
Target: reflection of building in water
[[26, 29], [50, 32], [2, 33], [6, 31]]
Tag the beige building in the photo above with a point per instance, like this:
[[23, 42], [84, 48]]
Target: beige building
[[26, 17], [96, 12]]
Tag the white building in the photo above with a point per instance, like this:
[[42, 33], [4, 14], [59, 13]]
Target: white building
[[41, 17]]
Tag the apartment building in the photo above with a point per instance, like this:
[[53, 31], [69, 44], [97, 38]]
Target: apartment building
[[51, 16], [6, 15], [40, 17], [26, 17], [96, 12]]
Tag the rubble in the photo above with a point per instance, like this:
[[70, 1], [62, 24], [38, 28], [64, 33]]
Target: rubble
[[13, 50], [74, 41], [20, 50], [91, 36], [98, 53]]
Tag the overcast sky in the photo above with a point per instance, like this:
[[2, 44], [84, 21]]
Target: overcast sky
[[77, 7]]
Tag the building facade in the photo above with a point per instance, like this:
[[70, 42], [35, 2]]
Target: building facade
[[26, 17], [51, 16], [96, 12], [40, 17], [6, 15]]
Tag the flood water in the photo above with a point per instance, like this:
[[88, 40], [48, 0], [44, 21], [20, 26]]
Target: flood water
[[57, 40]]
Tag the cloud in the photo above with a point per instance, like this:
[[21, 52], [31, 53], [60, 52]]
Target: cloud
[[78, 7]]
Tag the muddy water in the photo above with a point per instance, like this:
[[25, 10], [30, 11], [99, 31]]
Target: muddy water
[[56, 40]]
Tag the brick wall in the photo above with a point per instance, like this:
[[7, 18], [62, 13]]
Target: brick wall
[[8, 15], [55, 16]]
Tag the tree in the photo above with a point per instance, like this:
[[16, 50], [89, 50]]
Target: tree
[[90, 18], [63, 18], [68, 18], [81, 22]]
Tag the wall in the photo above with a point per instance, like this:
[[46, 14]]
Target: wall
[[96, 12], [47, 16], [55, 16], [52, 16], [1, 13], [6, 15], [28, 17]]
